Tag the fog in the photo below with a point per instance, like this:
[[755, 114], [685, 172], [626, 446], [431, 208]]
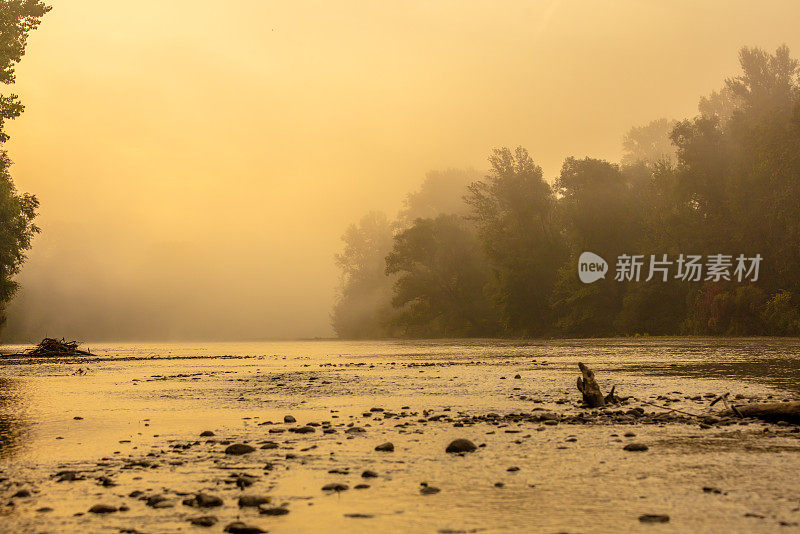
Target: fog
[[197, 162]]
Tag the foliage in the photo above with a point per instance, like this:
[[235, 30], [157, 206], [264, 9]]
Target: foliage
[[722, 182], [441, 192], [17, 211], [364, 300], [442, 275], [514, 210]]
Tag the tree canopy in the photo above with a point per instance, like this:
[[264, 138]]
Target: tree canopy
[[17, 210]]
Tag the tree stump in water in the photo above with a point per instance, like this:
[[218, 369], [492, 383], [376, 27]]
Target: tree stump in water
[[587, 385]]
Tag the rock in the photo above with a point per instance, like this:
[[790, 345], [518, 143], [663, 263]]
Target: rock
[[429, 490], [244, 481], [359, 516], [154, 501], [517, 377], [335, 486], [361, 486], [203, 521], [206, 433], [385, 447], [635, 447], [238, 449], [339, 471], [461, 445], [368, 473], [237, 527], [68, 476], [355, 430], [204, 500], [22, 493], [253, 500], [269, 445], [44, 509], [273, 510], [304, 430], [102, 509], [512, 469], [289, 419], [654, 518]]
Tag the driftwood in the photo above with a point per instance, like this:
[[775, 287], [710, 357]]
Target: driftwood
[[767, 411], [49, 347], [592, 395]]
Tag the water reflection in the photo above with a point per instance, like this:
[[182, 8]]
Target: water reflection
[[768, 361], [13, 425]]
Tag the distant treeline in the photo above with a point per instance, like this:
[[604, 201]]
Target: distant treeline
[[498, 255]]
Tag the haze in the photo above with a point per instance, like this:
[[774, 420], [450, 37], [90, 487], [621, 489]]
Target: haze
[[197, 162]]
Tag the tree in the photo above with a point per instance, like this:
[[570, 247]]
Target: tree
[[17, 211], [442, 192], [514, 210], [363, 305], [441, 280], [649, 144], [598, 211]]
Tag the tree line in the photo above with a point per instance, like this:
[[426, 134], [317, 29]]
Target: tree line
[[497, 255]]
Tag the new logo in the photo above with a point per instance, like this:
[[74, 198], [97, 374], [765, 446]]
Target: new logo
[[591, 267]]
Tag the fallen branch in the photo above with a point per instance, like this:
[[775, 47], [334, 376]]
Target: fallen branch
[[767, 411]]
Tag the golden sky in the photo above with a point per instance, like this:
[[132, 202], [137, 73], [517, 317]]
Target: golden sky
[[197, 161]]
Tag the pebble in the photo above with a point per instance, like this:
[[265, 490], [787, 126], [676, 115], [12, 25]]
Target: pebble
[[461, 445], [102, 509], [239, 449], [253, 500], [289, 419], [273, 510], [368, 473], [203, 521], [429, 490], [237, 527], [206, 433], [157, 501], [204, 500], [385, 447], [335, 486], [654, 518], [635, 447]]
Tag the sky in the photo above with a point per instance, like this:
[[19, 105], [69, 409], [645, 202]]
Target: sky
[[198, 161]]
